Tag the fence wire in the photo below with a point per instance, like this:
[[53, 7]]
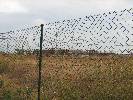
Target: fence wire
[[18, 64], [88, 58]]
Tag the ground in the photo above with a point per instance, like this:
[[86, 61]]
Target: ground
[[94, 77]]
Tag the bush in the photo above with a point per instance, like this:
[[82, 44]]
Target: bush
[[29, 91], [7, 95], [1, 83], [4, 68]]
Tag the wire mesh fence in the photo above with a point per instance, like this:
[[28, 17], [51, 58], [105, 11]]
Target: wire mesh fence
[[89, 58], [18, 64]]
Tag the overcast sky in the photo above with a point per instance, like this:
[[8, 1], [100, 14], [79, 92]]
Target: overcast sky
[[15, 14]]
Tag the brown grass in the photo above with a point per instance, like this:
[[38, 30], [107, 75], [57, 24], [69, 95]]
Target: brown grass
[[69, 77]]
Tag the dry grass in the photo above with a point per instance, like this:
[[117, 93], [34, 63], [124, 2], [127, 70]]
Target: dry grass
[[68, 77]]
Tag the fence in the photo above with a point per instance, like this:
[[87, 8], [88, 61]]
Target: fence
[[79, 59], [18, 63]]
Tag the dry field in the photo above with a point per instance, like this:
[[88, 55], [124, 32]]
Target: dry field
[[67, 77]]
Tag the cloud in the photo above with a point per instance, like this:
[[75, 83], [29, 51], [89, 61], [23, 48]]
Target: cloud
[[11, 6], [39, 22], [42, 11], [67, 8], [47, 4], [98, 4]]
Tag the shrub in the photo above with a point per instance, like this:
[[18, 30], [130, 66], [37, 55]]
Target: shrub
[[4, 68], [29, 91], [7, 95], [1, 83]]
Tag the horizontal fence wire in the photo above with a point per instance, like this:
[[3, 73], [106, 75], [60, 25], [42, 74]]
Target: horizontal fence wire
[[88, 58]]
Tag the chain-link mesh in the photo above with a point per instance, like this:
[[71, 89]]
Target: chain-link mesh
[[18, 64], [89, 58]]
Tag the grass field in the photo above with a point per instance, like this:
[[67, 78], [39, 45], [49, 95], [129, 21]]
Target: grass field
[[65, 77]]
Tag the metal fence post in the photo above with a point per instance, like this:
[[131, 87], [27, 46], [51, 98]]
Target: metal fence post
[[40, 63]]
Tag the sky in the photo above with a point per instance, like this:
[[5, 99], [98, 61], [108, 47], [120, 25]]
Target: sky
[[15, 14]]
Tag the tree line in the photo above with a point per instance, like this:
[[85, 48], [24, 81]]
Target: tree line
[[53, 51]]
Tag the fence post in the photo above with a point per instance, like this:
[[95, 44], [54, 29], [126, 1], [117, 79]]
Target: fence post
[[40, 63]]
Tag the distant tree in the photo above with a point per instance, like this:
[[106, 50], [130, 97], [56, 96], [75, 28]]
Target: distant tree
[[36, 52], [23, 52], [19, 51], [62, 51]]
